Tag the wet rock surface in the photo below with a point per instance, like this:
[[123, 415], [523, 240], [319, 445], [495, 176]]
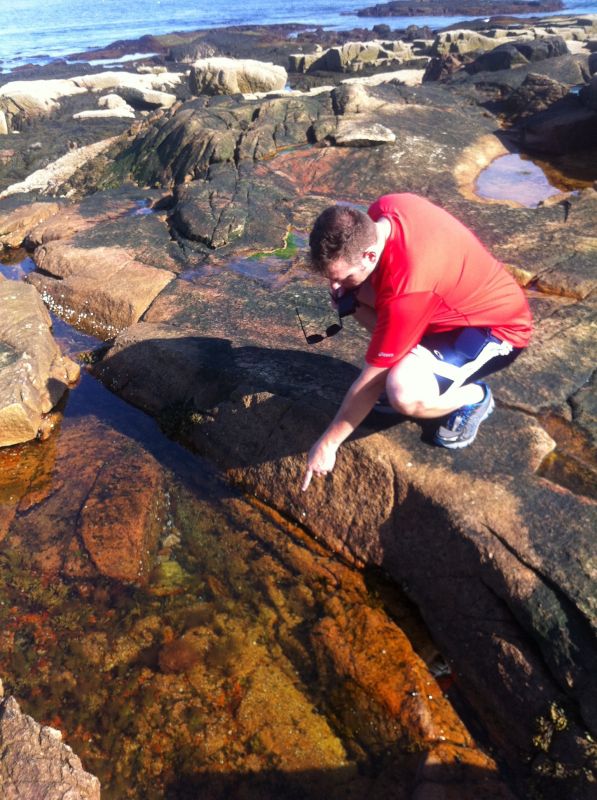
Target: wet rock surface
[[494, 543]]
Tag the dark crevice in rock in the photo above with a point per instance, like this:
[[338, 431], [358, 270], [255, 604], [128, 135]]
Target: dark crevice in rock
[[575, 682]]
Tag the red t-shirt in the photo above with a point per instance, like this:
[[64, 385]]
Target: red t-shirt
[[435, 275]]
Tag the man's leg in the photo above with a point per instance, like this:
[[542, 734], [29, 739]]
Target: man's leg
[[451, 362], [413, 390]]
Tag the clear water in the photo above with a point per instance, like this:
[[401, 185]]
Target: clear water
[[35, 31], [512, 177], [207, 676]]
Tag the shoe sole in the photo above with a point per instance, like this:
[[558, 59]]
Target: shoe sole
[[457, 445]]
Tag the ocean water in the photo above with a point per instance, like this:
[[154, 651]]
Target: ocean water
[[37, 31]]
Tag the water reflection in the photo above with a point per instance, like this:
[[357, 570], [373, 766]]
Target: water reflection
[[511, 177]]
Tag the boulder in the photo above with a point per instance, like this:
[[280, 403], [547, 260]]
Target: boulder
[[111, 101], [36, 763], [504, 56], [21, 101], [536, 93], [515, 54], [353, 98], [102, 289], [355, 134], [33, 373], [122, 112], [215, 76], [3, 124], [353, 56], [224, 210], [441, 67], [404, 77], [301, 62], [458, 42], [146, 99], [24, 100], [189, 52], [563, 127], [114, 81], [569, 70], [539, 49]]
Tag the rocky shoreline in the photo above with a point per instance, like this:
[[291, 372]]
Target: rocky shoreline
[[470, 8], [196, 304]]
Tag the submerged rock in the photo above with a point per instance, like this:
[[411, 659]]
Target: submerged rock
[[106, 524]]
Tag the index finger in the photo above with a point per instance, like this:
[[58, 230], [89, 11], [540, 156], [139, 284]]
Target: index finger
[[307, 479]]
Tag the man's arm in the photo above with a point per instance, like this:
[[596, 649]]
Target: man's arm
[[357, 403]]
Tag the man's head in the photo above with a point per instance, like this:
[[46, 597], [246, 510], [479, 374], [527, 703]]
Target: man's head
[[344, 246]]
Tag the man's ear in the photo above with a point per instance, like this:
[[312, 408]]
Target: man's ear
[[370, 256]]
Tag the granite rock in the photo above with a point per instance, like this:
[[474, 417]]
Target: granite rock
[[36, 763]]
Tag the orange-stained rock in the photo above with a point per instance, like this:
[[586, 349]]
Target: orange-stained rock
[[120, 520], [388, 676], [102, 495]]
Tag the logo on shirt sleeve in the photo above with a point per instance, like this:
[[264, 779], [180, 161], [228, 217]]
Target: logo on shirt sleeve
[[381, 354]]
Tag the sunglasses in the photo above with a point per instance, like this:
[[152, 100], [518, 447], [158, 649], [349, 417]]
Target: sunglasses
[[315, 338]]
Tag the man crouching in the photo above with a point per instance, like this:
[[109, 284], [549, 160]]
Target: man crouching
[[442, 311]]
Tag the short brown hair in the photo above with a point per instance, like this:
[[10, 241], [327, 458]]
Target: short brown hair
[[340, 232]]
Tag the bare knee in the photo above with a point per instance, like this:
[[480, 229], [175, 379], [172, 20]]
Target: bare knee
[[411, 389], [407, 403]]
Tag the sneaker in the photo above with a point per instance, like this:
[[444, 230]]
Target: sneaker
[[462, 425]]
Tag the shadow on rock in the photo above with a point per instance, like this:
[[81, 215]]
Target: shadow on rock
[[431, 780]]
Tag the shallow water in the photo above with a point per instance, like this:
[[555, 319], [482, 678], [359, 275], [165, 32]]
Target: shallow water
[[173, 631], [514, 177]]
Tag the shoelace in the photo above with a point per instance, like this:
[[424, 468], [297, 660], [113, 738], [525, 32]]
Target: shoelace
[[464, 413]]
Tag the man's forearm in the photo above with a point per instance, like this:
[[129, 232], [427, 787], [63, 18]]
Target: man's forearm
[[357, 403]]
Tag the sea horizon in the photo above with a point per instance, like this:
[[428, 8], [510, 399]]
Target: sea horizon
[[41, 31]]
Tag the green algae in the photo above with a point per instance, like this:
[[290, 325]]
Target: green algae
[[167, 578], [288, 251]]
